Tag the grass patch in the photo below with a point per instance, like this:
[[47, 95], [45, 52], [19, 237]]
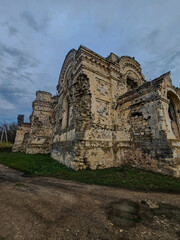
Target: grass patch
[[21, 185], [5, 146], [124, 177]]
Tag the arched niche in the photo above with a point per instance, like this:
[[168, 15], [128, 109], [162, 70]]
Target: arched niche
[[174, 113], [59, 116], [131, 83], [132, 80], [131, 72], [68, 77], [65, 112]]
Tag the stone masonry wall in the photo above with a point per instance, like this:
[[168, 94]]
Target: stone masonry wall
[[42, 122], [22, 136], [68, 145], [145, 143]]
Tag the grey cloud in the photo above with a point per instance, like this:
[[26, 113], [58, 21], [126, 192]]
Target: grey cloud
[[9, 92], [16, 75], [172, 57], [11, 51], [32, 23], [27, 16], [16, 82], [154, 33], [152, 38], [4, 23], [164, 61], [21, 59], [1, 50], [15, 101], [12, 31]]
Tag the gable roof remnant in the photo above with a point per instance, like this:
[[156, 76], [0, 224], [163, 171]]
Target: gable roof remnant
[[154, 83]]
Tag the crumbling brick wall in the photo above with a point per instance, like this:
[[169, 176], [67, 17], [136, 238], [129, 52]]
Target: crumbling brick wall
[[21, 135], [68, 146], [146, 144], [42, 122]]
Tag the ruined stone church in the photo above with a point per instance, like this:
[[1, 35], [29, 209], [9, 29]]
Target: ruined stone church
[[105, 115]]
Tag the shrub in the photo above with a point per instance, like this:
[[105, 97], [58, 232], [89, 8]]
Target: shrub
[[5, 146]]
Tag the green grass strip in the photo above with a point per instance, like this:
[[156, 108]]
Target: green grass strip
[[123, 177]]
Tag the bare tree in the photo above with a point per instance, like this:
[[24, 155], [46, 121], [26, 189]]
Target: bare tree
[[8, 132]]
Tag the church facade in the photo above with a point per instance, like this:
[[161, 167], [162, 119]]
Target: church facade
[[105, 115]]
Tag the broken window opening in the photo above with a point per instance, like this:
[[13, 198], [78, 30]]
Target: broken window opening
[[66, 109], [131, 83], [67, 121], [173, 118], [134, 114]]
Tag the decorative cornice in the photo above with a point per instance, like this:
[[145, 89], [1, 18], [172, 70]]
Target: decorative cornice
[[90, 53]]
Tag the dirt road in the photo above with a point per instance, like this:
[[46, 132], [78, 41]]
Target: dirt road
[[47, 208]]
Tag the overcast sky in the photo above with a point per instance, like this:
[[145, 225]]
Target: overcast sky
[[36, 35]]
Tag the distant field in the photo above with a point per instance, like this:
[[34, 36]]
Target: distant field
[[123, 177]]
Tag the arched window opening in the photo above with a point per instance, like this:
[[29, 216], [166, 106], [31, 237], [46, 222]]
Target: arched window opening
[[67, 117], [66, 107], [173, 116], [172, 111], [68, 77], [59, 117], [131, 83]]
